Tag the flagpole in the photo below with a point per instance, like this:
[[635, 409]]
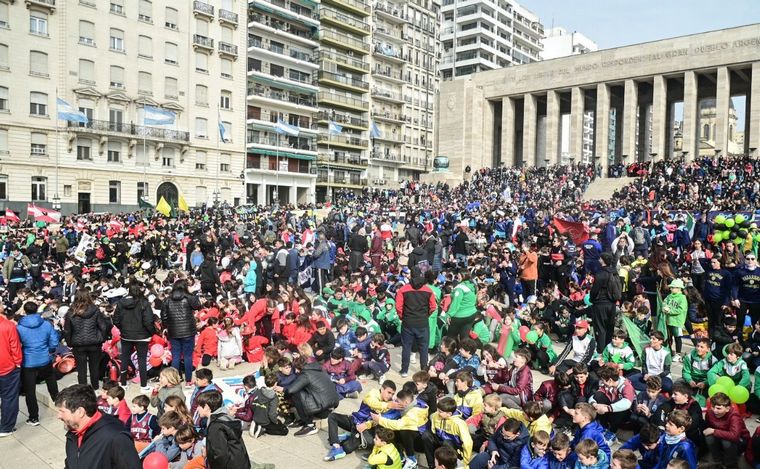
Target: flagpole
[[277, 169], [218, 151], [57, 153]]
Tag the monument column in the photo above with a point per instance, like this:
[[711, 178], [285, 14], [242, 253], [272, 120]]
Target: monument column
[[553, 128], [754, 111], [722, 100], [602, 127], [689, 125], [630, 118], [576, 123], [529, 131], [660, 129], [508, 132]]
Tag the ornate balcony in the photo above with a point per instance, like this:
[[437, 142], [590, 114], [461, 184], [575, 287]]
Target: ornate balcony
[[137, 131]]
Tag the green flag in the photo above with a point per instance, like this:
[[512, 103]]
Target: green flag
[[143, 204], [662, 324], [638, 338]]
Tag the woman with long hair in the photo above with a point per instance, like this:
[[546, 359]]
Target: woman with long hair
[[134, 318], [85, 328]]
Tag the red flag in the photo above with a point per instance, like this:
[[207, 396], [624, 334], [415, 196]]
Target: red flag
[[577, 231], [11, 216], [33, 210], [116, 225]]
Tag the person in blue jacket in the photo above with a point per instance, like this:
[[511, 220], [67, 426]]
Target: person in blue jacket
[[560, 455], [746, 289], [716, 292], [39, 340], [674, 444], [584, 415], [647, 444], [249, 283], [533, 455], [504, 447], [591, 252]]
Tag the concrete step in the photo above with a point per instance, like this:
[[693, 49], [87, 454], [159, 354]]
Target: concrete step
[[603, 188]]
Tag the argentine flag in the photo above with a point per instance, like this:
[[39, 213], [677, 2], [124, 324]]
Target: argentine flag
[[157, 116], [374, 131], [283, 128], [67, 112], [223, 133], [333, 128]]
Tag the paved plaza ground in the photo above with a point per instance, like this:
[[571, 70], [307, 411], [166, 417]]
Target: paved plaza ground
[[43, 447]]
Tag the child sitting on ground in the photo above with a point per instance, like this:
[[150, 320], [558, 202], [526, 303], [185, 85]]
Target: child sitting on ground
[[260, 408], [646, 443], [203, 384], [732, 366], [533, 455], [696, 365], [542, 349], [142, 425], [559, 452], [469, 399], [230, 348], [617, 354], [342, 374], [207, 344], [379, 360], [624, 459], [674, 444], [384, 453], [103, 404], [590, 456], [116, 400], [192, 451], [532, 417], [647, 404], [726, 434], [519, 387], [656, 362], [427, 391], [169, 384], [483, 426], [167, 444]]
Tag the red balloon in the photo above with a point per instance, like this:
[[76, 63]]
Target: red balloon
[[155, 362], [524, 332], [155, 460], [156, 350]]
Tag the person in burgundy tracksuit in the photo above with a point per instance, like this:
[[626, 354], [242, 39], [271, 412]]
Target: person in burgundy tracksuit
[[415, 302]]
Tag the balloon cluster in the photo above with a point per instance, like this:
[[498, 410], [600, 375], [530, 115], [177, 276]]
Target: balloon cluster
[[724, 384], [158, 356], [528, 335], [736, 229]]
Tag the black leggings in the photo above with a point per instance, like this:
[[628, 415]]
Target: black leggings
[[88, 357], [674, 333], [459, 328], [142, 360]]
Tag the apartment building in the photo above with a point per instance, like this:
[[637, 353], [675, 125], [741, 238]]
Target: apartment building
[[283, 69], [110, 59], [487, 34]]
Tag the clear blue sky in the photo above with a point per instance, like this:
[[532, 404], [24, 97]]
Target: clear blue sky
[[613, 23]]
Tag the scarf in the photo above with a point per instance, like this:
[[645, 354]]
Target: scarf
[[674, 439]]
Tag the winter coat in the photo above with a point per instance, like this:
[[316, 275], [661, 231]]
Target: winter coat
[[207, 343], [730, 427], [602, 462], [415, 302], [528, 460], [249, 283], [315, 389], [134, 318], [177, 314], [592, 431], [230, 344], [684, 449], [260, 407], [89, 328], [509, 450], [208, 273], [10, 346], [39, 340], [519, 383], [106, 444], [157, 400], [677, 307], [225, 448]]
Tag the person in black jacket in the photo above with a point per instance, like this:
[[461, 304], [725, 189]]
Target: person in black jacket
[[322, 341], [314, 395], [134, 318], [209, 275], [605, 292], [85, 328], [179, 322], [105, 442], [225, 448], [359, 246]]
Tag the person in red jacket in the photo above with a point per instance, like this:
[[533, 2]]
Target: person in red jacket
[[10, 374], [415, 302], [726, 434], [206, 345], [519, 386]]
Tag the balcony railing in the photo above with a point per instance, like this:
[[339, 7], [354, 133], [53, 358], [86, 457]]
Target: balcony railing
[[140, 131], [344, 59], [342, 139], [346, 80], [286, 51], [344, 39], [283, 96], [228, 16], [342, 119], [50, 4], [227, 48], [357, 4], [203, 8], [354, 23], [203, 41], [280, 25], [325, 96], [389, 51], [353, 179], [388, 73], [295, 143], [341, 157], [387, 94], [390, 116], [391, 10]]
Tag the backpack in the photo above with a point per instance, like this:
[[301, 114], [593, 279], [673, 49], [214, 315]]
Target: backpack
[[638, 236], [614, 288]]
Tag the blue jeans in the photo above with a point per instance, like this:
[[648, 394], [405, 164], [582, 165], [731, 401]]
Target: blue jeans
[[348, 388], [183, 347], [410, 336], [9, 388]]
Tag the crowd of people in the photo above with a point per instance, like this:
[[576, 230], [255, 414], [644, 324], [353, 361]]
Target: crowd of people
[[482, 286]]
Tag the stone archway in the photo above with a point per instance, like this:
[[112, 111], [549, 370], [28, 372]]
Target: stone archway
[[169, 192]]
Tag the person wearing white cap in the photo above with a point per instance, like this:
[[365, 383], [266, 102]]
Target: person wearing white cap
[[675, 307]]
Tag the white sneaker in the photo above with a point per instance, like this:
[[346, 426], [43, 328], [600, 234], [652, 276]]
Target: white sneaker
[[413, 359], [677, 358], [4, 434], [381, 379], [146, 389]]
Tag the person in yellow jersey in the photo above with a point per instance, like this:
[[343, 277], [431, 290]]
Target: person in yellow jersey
[[384, 454], [447, 429], [412, 423]]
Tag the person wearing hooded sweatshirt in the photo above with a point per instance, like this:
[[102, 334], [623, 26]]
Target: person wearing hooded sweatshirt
[[504, 448], [38, 342], [463, 308], [249, 283], [225, 448], [134, 318]]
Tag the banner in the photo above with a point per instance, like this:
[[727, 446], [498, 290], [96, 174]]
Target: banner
[[233, 392], [85, 243], [577, 231]]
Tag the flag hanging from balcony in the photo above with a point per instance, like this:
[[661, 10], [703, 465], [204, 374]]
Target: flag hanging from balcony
[[223, 134], [374, 131], [67, 112], [333, 128], [157, 116], [283, 128]]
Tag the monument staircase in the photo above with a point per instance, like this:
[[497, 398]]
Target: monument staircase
[[603, 188]]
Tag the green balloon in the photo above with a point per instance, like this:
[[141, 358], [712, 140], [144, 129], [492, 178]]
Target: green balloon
[[738, 241], [757, 237], [739, 218], [725, 382], [720, 219], [730, 223], [725, 234], [717, 237], [739, 395], [715, 389], [532, 337]]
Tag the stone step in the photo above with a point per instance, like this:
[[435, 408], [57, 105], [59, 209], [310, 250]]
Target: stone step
[[603, 188]]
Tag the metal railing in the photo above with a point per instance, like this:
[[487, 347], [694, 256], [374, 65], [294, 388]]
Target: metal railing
[[344, 59], [203, 41], [228, 48], [340, 157], [389, 116], [386, 94], [286, 51], [203, 7], [326, 96], [387, 50], [344, 39], [342, 119], [353, 179], [332, 14], [280, 25], [48, 3], [388, 73], [140, 131], [347, 80], [228, 16], [344, 139], [357, 4], [391, 10], [283, 96]]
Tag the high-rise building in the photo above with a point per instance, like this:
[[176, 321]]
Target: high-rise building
[[487, 34], [560, 42], [109, 60], [283, 67]]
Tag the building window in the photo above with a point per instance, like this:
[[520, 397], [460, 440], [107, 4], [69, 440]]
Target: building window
[[84, 150], [142, 152], [706, 132], [3, 141], [3, 187], [3, 99], [39, 188], [38, 144], [170, 18], [86, 33], [145, 11], [145, 47], [117, 40], [4, 15], [117, 7], [38, 23], [224, 163], [67, 189], [4, 64], [201, 62], [201, 127], [200, 160], [86, 72], [145, 83], [167, 157], [38, 63], [38, 104], [142, 191], [226, 66], [201, 27], [170, 53], [201, 95], [114, 192], [114, 152], [117, 77], [225, 99], [170, 88]]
